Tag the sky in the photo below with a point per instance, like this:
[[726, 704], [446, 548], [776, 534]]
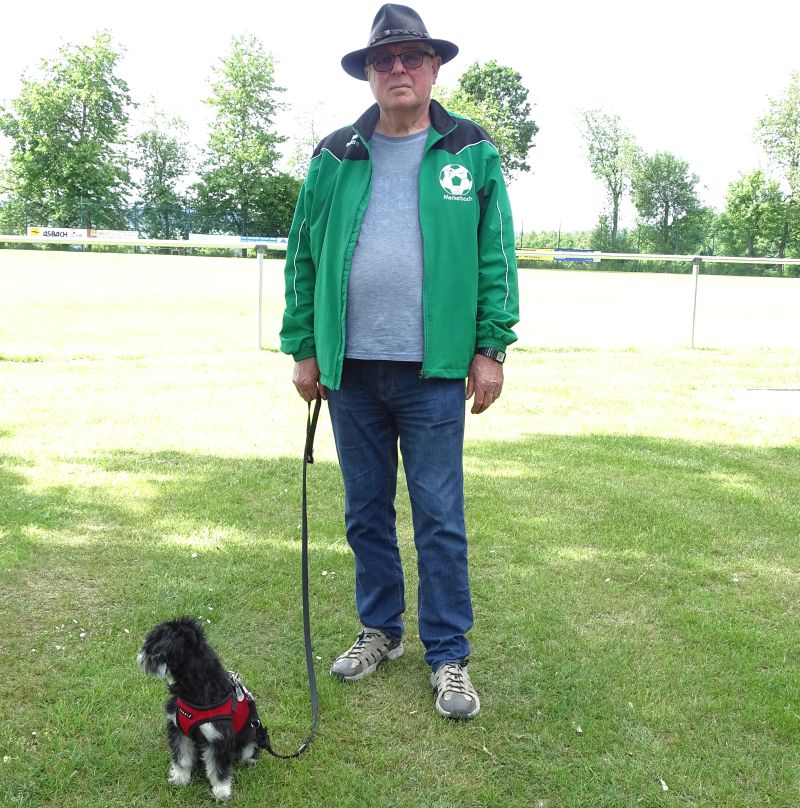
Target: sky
[[690, 77]]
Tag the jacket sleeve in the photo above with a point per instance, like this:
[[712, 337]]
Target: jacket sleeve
[[300, 274], [498, 292]]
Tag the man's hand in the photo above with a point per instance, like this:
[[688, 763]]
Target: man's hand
[[306, 380], [485, 380]]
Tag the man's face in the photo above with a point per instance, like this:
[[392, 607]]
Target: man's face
[[403, 87]]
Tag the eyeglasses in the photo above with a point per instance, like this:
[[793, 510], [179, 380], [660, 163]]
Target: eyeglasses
[[385, 62]]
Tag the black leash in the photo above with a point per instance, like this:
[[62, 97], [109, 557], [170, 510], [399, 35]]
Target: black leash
[[308, 457]]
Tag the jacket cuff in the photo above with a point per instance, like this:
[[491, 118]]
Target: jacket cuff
[[491, 343]]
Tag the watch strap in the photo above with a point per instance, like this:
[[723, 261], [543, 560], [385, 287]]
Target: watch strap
[[492, 353]]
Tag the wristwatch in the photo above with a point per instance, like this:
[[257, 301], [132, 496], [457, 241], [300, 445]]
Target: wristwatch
[[492, 353]]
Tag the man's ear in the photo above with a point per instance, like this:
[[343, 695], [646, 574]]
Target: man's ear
[[436, 63]]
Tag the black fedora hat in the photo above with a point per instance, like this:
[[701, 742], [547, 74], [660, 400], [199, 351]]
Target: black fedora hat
[[392, 24]]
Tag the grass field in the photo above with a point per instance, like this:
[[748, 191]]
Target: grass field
[[634, 525]]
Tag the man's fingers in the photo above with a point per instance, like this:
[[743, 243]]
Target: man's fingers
[[306, 380], [484, 399]]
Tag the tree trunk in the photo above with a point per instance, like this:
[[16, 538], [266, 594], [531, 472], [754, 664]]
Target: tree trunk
[[614, 219], [784, 240]]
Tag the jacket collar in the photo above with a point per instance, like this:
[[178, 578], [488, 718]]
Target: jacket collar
[[441, 121]]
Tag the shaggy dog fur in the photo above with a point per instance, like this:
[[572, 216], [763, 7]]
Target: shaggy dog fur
[[177, 651]]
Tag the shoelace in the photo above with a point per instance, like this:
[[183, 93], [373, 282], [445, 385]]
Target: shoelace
[[360, 644], [453, 679]]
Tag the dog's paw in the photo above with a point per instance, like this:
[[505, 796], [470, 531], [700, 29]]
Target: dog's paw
[[222, 791], [179, 777], [249, 754]]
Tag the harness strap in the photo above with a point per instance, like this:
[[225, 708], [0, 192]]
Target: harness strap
[[308, 457]]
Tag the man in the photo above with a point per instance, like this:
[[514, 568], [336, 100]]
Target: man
[[400, 283]]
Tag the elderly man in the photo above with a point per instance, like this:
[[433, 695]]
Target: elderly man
[[400, 284]]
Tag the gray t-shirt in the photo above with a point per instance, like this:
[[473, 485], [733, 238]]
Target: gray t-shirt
[[384, 296]]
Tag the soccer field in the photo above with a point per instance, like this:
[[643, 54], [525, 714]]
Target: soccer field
[[94, 304], [632, 515]]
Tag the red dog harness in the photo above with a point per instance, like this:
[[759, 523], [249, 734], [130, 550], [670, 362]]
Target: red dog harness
[[236, 708]]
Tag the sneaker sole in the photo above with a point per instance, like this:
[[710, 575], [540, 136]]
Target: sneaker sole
[[393, 654]]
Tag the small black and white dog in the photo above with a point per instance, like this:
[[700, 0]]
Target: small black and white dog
[[210, 714]]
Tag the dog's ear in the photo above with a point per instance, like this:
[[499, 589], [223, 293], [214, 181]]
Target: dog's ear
[[162, 646], [191, 629], [170, 642]]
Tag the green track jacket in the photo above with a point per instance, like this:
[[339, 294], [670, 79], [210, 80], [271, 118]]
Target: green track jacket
[[469, 295]]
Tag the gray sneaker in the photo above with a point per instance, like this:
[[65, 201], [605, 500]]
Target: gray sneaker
[[455, 695], [368, 651]]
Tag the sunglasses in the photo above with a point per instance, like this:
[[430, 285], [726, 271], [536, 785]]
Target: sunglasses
[[411, 60]]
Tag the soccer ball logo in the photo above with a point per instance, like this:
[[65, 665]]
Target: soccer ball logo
[[455, 179]]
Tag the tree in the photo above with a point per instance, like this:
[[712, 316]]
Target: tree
[[613, 154], [12, 208], [493, 96], [304, 144], [603, 238], [161, 156], [239, 186], [672, 219], [754, 216], [779, 132], [67, 134]]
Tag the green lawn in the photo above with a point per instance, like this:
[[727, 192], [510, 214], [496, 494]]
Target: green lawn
[[634, 527]]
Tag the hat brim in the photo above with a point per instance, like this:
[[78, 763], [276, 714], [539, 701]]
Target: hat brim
[[353, 63]]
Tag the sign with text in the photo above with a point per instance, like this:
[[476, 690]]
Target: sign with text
[[271, 241], [577, 256], [212, 238], [114, 235], [56, 232]]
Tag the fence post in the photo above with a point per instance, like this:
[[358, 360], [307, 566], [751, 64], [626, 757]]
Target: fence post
[[696, 262], [260, 255]]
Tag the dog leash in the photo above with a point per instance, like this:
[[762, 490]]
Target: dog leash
[[308, 457]]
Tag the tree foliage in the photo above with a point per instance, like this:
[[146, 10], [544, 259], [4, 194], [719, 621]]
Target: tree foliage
[[309, 135], [672, 219], [67, 132], [161, 157], [779, 133], [752, 222], [613, 156], [494, 97], [605, 239], [240, 187]]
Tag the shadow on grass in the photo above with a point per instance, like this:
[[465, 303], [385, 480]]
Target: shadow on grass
[[556, 499]]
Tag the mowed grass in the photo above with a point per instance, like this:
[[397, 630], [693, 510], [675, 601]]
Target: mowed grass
[[634, 527]]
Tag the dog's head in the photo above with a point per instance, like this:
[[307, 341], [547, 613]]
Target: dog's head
[[169, 645]]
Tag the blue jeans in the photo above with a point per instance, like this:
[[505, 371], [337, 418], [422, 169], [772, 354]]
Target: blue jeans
[[378, 403]]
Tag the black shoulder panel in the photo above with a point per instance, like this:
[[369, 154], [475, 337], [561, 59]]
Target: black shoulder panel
[[465, 133], [343, 144]]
